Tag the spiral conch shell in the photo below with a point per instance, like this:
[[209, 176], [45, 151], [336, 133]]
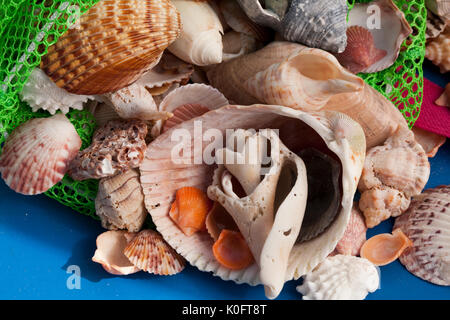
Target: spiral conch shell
[[340, 278], [116, 42], [171, 164], [200, 42], [438, 51]]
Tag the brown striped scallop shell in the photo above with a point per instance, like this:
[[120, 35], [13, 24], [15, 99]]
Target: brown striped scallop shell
[[427, 225], [117, 41]]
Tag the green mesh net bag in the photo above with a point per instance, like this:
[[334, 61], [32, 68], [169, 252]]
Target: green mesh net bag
[[29, 27]]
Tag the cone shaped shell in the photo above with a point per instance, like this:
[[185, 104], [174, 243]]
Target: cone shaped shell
[[37, 154], [162, 176], [116, 43]]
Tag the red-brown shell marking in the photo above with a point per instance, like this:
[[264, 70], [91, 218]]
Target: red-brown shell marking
[[427, 224], [37, 154], [360, 52], [184, 113], [149, 252]]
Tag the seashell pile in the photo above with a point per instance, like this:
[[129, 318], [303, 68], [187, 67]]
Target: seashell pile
[[241, 130]]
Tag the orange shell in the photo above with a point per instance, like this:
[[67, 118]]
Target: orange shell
[[149, 252], [219, 219], [231, 250], [384, 248], [116, 42]]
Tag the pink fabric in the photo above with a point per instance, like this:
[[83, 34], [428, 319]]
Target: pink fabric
[[432, 117]]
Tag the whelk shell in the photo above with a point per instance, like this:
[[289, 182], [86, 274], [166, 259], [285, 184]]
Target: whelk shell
[[40, 92], [120, 202], [438, 51], [317, 24], [427, 223], [37, 154], [389, 29], [117, 41], [109, 253], [149, 252], [200, 42], [392, 174], [162, 176], [340, 278]]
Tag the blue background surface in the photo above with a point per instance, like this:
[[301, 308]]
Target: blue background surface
[[40, 238]]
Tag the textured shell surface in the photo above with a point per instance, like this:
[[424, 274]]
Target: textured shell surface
[[355, 234], [440, 8], [109, 252], [426, 223], [340, 277], [37, 154], [438, 51], [120, 202], [162, 176], [317, 24], [40, 92], [435, 25], [389, 32], [149, 252], [115, 44], [200, 42], [237, 44]]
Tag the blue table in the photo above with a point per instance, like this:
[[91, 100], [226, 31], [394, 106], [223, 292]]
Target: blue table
[[40, 239]]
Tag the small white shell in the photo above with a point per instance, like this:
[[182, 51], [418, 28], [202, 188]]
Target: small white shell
[[40, 92], [340, 277]]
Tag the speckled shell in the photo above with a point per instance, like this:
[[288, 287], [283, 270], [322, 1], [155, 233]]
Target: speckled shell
[[120, 202], [401, 167], [40, 92], [161, 177], [427, 225], [317, 24], [115, 44], [37, 154], [438, 51], [340, 278], [149, 252]]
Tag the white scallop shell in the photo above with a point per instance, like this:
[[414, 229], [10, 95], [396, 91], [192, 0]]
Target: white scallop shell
[[40, 92], [340, 277]]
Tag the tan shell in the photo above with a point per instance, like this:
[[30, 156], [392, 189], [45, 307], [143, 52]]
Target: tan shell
[[440, 8], [114, 45], [438, 51], [109, 253], [426, 223], [237, 44], [200, 42], [435, 25], [392, 174], [430, 142], [149, 252], [37, 154], [444, 99], [102, 112], [120, 202], [162, 175], [355, 234]]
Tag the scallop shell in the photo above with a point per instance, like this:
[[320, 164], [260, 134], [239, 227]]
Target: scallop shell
[[162, 175], [109, 253], [120, 202], [36, 155], [427, 223], [361, 52], [40, 92], [116, 147], [200, 42], [388, 27], [438, 51], [317, 24], [115, 44], [237, 44], [392, 174], [340, 278], [355, 234], [440, 8], [149, 252], [430, 142], [239, 22]]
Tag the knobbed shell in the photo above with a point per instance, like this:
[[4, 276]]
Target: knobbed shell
[[392, 174], [426, 223], [438, 51], [340, 278], [116, 42], [317, 24], [200, 42], [120, 202], [171, 164], [40, 92], [37, 154]]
